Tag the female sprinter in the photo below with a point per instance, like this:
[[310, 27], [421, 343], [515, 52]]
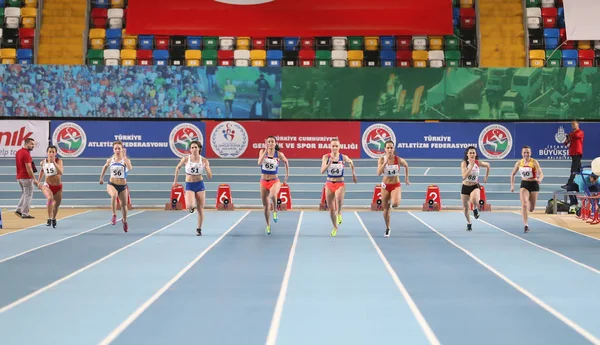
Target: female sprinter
[[268, 159], [470, 192], [531, 177], [195, 165], [333, 164], [391, 192], [119, 166], [52, 168]]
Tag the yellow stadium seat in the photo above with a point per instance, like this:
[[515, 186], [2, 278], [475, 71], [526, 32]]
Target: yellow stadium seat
[[97, 37], [129, 41], [583, 45], [193, 58], [537, 58], [355, 58], [31, 3], [436, 43], [117, 3], [420, 58], [371, 43], [28, 17], [258, 58], [466, 3], [8, 56], [128, 57], [242, 43]]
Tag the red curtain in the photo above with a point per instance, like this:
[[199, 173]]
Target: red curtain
[[291, 18]]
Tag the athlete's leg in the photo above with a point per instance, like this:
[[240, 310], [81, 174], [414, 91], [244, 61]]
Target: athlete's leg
[[385, 204], [273, 193], [123, 200], [57, 200], [112, 192], [465, 203], [474, 198], [330, 196], [339, 198], [190, 200], [264, 196], [200, 200], [524, 196]]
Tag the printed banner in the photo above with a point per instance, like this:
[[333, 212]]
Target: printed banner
[[155, 92], [302, 139], [438, 140], [581, 19], [14, 132], [547, 139], [457, 94], [93, 139], [272, 18]]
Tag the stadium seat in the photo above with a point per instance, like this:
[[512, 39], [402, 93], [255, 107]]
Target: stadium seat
[[570, 58], [8, 56], [371, 43], [241, 58], [586, 58], [307, 58], [194, 42], [419, 58], [534, 18], [24, 56], [274, 58], [209, 57], [436, 58], [549, 16], [323, 58], [160, 57], [537, 58], [99, 17], [12, 17], [242, 43], [115, 18], [28, 16], [355, 58], [193, 58], [30, 3], [112, 57], [128, 57], [129, 41], [403, 58], [258, 58], [225, 57], [95, 57], [339, 58], [226, 43], [97, 38], [452, 58]]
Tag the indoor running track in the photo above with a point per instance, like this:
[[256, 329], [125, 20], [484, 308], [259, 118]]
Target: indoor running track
[[431, 282]]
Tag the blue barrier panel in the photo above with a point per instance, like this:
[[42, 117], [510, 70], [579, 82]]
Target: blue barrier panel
[[93, 139], [439, 140], [547, 139]]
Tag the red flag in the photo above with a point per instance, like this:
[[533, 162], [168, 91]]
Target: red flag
[[290, 18]]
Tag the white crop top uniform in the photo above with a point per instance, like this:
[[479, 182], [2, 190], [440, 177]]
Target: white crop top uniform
[[49, 169], [474, 174], [392, 170], [270, 165], [194, 168], [118, 169], [336, 168]]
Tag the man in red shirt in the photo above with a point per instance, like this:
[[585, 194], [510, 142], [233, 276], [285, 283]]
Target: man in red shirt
[[25, 177], [575, 143]]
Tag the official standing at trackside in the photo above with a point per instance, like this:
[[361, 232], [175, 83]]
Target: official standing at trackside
[[26, 178], [575, 143]]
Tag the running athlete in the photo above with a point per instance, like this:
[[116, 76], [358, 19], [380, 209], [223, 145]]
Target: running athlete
[[52, 168], [268, 159], [531, 177], [195, 192], [470, 192], [333, 163], [119, 166], [391, 192]]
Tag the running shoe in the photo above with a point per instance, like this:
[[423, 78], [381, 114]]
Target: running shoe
[[333, 232], [387, 232], [339, 218], [476, 213], [469, 227], [526, 229], [268, 230], [49, 222], [275, 216], [113, 221], [125, 226], [54, 223], [198, 232]]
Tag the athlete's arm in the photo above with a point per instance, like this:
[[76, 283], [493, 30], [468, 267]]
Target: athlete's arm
[[351, 163], [380, 166], [179, 165], [403, 163], [207, 167], [41, 174], [512, 176], [541, 173], [287, 166], [59, 166], [104, 170], [261, 156], [325, 163], [487, 167]]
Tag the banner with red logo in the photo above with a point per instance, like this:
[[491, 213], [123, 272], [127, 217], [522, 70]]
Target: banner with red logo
[[155, 139], [297, 139], [438, 140], [14, 132], [271, 18]]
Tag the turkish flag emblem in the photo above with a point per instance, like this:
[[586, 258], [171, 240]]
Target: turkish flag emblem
[[272, 18]]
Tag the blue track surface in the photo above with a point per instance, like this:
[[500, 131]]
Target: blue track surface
[[431, 282]]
